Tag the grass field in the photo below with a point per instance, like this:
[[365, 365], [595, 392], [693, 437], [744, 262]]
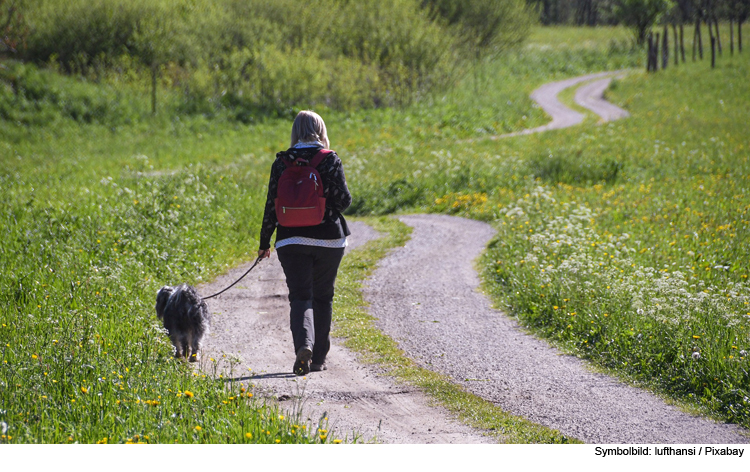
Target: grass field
[[624, 243]]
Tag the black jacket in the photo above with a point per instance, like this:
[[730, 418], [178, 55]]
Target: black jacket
[[335, 190]]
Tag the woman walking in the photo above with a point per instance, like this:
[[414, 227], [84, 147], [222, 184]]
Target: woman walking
[[309, 255]]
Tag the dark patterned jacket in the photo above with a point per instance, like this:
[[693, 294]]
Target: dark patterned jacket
[[335, 190]]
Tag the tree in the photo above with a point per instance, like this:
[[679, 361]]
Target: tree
[[153, 44], [13, 28], [739, 10], [641, 15], [485, 27]]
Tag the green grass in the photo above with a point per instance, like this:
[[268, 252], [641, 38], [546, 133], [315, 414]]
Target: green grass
[[90, 230], [96, 217]]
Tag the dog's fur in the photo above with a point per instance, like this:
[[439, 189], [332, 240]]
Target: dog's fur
[[186, 318]]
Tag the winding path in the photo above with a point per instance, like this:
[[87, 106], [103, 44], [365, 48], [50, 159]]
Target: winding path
[[589, 96], [426, 299]]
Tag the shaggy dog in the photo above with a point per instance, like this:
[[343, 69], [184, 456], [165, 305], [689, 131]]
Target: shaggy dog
[[185, 317]]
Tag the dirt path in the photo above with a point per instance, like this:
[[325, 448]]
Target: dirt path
[[251, 324], [425, 297]]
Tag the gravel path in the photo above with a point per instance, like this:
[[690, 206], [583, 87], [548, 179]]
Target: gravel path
[[425, 296], [251, 325]]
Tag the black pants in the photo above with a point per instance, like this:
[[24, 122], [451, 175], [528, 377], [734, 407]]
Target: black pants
[[310, 275]]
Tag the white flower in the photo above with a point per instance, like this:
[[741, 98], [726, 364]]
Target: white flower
[[696, 355], [3, 427]]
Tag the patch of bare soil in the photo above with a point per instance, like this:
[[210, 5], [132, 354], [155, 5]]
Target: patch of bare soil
[[251, 326]]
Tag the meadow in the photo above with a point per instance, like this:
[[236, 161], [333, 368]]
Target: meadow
[[624, 243]]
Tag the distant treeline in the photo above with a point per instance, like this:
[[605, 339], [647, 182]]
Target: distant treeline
[[257, 56], [610, 12]]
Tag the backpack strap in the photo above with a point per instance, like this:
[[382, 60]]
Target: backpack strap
[[314, 162], [322, 154]]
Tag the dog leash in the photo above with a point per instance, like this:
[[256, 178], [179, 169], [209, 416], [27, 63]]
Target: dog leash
[[235, 282]]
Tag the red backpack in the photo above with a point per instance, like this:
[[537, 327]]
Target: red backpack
[[299, 199]]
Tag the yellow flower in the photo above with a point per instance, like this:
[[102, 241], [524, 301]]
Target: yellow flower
[[696, 337], [198, 428], [33, 356], [84, 390], [337, 441], [188, 393], [249, 435]]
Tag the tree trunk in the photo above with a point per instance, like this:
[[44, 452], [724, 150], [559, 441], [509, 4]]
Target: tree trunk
[[731, 36], [665, 48], [713, 52], [682, 42], [718, 35], [656, 53], [676, 45], [700, 39], [712, 39], [153, 90], [650, 53], [739, 36]]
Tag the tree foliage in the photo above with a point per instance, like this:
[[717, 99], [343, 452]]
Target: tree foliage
[[13, 28], [641, 15], [485, 27]]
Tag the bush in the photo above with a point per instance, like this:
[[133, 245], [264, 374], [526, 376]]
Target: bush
[[35, 97], [251, 57]]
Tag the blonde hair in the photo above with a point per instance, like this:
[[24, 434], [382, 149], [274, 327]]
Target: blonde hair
[[309, 127]]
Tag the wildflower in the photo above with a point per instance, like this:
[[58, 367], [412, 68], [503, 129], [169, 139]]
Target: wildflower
[[249, 435], [198, 428], [337, 441], [34, 356], [84, 390], [696, 355], [3, 427], [696, 336], [189, 394]]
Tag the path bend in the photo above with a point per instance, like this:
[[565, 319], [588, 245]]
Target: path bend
[[425, 296]]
